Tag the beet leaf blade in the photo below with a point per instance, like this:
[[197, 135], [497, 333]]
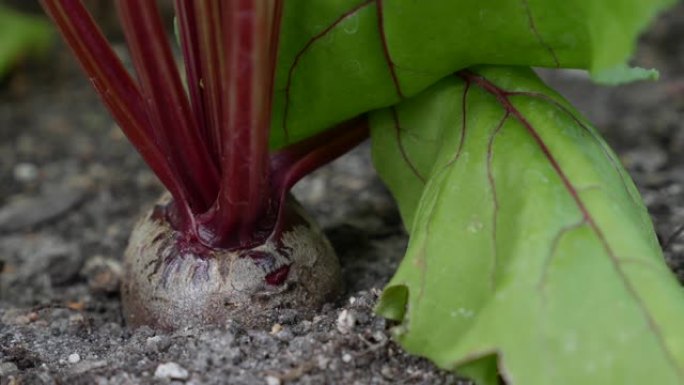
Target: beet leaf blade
[[341, 58], [530, 247]]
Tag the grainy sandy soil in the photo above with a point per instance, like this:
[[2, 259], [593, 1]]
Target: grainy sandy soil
[[71, 187]]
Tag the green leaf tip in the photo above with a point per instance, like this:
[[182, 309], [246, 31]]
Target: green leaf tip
[[614, 33], [528, 240], [622, 74], [392, 304]]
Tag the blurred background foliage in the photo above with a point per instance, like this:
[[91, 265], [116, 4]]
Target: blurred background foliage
[[24, 33]]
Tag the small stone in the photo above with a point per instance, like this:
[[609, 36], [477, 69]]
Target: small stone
[[346, 358], [25, 172], [74, 358], [305, 326], [387, 372], [157, 344], [171, 370], [346, 321], [21, 319], [379, 337], [86, 366], [276, 328], [103, 274], [7, 368], [322, 362], [285, 334], [77, 319], [271, 380]]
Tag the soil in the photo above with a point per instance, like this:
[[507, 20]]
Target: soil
[[71, 188]]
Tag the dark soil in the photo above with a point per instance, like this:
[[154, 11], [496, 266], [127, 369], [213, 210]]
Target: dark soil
[[71, 188]]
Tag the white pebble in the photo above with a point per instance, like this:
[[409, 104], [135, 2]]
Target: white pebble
[[25, 172], [346, 321], [171, 370], [270, 380], [323, 362], [346, 357], [74, 358], [276, 328]]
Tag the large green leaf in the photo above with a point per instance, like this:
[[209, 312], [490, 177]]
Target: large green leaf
[[529, 247], [20, 35], [340, 58]]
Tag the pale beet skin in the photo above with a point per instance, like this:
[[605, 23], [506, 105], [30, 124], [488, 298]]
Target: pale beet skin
[[171, 284]]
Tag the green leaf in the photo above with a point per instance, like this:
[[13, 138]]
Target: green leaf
[[341, 58], [20, 35], [529, 246]]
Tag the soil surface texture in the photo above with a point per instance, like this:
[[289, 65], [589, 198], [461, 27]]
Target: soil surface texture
[[71, 188]]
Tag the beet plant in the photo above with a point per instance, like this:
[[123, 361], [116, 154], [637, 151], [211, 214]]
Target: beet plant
[[531, 256], [228, 240]]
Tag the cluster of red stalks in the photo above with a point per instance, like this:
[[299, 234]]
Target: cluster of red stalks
[[206, 139]]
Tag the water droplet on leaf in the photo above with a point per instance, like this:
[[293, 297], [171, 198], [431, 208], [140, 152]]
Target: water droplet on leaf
[[475, 226], [351, 26]]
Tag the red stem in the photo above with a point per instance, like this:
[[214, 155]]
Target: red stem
[[116, 88], [169, 111], [230, 48], [288, 166], [247, 33], [204, 53], [189, 39], [293, 162]]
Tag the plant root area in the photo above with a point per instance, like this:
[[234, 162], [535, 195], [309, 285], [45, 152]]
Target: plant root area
[[71, 188]]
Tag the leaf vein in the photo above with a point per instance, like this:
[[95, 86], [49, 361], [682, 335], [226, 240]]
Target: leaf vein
[[400, 144], [300, 54], [535, 31], [495, 199], [599, 142], [421, 260], [385, 49]]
